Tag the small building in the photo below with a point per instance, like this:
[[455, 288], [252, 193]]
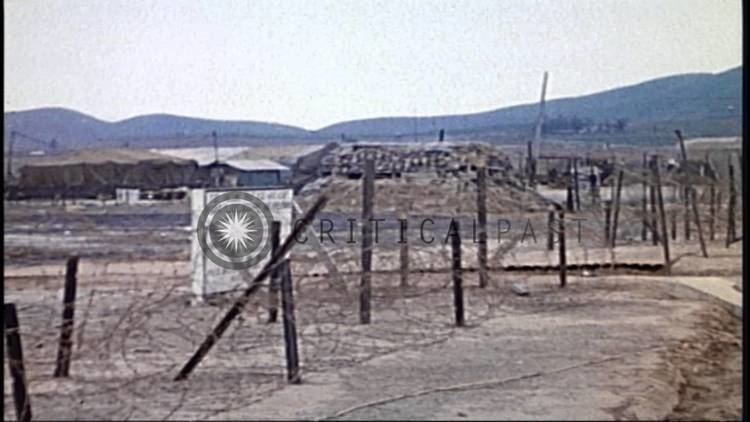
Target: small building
[[250, 173]]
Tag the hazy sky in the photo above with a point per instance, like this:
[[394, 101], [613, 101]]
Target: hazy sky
[[312, 63]]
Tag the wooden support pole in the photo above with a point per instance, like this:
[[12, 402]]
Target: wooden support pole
[[254, 285], [694, 200], [15, 363], [550, 230], [65, 349], [607, 221], [569, 203], [732, 204], [618, 193], [662, 215], [593, 180], [563, 259], [673, 216], [273, 286], [290, 324], [404, 251], [712, 212], [686, 211], [644, 204], [569, 187], [654, 226], [458, 290], [368, 200], [482, 220], [575, 184]]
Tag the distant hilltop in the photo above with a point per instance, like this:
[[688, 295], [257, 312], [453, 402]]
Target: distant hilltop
[[702, 104]]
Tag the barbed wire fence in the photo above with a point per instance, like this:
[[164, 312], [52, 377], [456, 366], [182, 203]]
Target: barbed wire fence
[[136, 325]]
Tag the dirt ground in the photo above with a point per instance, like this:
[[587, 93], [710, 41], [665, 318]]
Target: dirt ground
[[608, 346]]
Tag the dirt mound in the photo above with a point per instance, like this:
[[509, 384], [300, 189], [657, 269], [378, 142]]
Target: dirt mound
[[422, 195]]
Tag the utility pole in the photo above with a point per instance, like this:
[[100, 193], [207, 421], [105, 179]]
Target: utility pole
[[531, 164], [216, 146]]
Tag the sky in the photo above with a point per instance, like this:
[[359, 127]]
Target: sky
[[317, 62]]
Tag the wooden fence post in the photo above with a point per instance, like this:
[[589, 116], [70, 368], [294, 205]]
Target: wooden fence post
[[458, 290], [563, 260], [273, 286], [731, 231], [482, 219], [712, 212], [290, 324], [404, 251], [15, 363], [663, 217], [575, 184], [65, 348], [618, 192], [686, 210], [694, 197], [644, 204], [607, 221], [550, 230], [569, 187], [655, 230], [368, 199]]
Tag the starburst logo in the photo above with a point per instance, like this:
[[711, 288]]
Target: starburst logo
[[234, 230], [237, 229]]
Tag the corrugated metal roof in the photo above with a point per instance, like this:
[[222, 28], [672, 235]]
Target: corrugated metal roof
[[202, 155], [714, 143], [257, 165]]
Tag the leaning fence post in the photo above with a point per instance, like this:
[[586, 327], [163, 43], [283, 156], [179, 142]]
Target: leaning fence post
[[15, 363], [290, 324], [662, 215], [368, 197], [694, 197], [65, 349], [458, 290], [482, 219], [563, 260], [273, 285], [404, 250]]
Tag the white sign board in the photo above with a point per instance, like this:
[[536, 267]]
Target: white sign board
[[210, 278]]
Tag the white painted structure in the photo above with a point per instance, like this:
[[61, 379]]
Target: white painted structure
[[210, 278], [127, 196]]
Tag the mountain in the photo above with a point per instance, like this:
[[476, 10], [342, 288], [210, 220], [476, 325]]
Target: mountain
[[706, 104], [72, 129], [683, 97]]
